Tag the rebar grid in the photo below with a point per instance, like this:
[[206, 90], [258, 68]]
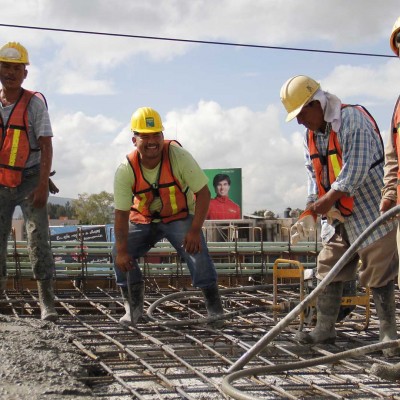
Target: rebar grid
[[153, 361]]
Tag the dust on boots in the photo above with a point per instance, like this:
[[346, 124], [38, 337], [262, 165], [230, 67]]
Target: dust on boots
[[46, 300], [133, 303], [328, 305], [385, 306], [213, 304]]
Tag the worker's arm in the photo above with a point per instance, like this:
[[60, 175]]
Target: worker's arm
[[192, 242], [326, 202], [123, 260], [389, 190], [41, 193]]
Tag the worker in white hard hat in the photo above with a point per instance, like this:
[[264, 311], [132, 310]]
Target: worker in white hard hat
[[344, 159], [391, 189], [25, 161], [160, 192]]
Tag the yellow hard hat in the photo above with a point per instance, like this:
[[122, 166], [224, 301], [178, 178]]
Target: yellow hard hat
[[14, 52], [146, 120], [296, 92], [395, 31]]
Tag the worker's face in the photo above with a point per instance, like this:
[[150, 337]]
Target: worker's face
[[222, 188], [12, 75], [149, 146], [312, 116]]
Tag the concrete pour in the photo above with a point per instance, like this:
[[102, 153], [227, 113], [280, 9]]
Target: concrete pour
[[38, 361]]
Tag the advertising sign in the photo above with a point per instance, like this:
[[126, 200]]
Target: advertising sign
[[226, 193]]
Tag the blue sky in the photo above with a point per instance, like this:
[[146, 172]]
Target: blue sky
[[221, 102]]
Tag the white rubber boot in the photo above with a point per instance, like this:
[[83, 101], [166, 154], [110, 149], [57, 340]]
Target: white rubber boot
[[46, 299], [131, 317]]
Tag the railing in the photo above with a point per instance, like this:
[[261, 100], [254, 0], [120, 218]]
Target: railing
[[93, 260]]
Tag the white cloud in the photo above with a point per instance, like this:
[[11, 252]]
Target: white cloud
[[241, 138]]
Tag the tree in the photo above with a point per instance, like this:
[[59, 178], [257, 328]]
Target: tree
[[56, 211], [94, 209]]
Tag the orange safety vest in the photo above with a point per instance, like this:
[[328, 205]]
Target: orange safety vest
[[396, 141], [173, 198], [14, 142], [333, 159]]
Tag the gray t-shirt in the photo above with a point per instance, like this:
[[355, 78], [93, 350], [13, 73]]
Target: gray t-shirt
[[39, 125]]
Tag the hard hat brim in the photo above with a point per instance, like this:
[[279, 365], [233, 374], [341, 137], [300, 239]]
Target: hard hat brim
[[293, 114], [147, 131]]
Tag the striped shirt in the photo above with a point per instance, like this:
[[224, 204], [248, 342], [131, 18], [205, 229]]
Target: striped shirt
[[361, 148]]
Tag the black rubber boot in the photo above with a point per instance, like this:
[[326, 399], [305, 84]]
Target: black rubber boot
[[46, 299], [386, 310], [349, 289], [328, 304], [388, 372], [131, 317], [213, 304], [3, 285]]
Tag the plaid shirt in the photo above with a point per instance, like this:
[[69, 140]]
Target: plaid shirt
[[361, 148]]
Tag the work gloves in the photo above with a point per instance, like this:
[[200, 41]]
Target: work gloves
[[304, 228]]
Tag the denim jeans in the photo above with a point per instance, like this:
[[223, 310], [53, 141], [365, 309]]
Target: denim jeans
[[36, 222], [142, 237]]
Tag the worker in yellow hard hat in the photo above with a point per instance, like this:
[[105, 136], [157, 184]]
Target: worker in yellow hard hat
[[25, 161], [344, 160], [170, 200], [391, 189]]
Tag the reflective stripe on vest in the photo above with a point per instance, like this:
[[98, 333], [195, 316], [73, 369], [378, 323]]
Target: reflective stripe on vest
[[167, 188], [333, 162], [14, 142]]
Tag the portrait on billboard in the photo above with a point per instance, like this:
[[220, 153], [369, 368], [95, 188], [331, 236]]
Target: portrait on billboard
[[226, 192]]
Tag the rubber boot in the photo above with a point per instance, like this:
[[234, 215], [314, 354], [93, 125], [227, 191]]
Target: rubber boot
[[328, 305], [349, 289], [3, 285], [386, 310], [388, 372], [46, 299], [213, 304], [131, 317]]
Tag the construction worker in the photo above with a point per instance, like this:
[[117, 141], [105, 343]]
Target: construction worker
[[160, 192], [390, 191], [344, 158], [26, 154]]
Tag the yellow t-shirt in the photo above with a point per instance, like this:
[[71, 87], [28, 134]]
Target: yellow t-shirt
[[186, 170]]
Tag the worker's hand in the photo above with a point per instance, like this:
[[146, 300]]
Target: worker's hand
[[386, 204], [39, 196], [124, 262], [334, 214], [53, 189], [304, 228], [192, 242]]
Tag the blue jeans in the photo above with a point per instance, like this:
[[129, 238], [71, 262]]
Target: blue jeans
[[36, 222], [142, 237]]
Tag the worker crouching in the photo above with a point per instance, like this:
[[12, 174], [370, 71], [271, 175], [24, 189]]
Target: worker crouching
[[160, 192]]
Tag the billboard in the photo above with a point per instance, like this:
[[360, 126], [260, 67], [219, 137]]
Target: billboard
[[226, 193]]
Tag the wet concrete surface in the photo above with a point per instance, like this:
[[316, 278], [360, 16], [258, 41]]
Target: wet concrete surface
[[39, 362]]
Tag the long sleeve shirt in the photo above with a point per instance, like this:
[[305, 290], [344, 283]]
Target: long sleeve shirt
[[361, 149], [389, 190]]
